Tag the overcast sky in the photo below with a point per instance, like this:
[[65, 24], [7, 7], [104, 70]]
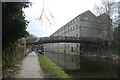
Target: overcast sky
[[62, 11]]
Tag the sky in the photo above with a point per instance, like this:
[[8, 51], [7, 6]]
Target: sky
[[59, 12]]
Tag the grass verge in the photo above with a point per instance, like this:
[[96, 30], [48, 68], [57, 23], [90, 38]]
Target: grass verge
[[51, 68]]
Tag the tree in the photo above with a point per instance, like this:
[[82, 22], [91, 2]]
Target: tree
[[110, 7], [31, 36], [13, 23], [13, 28], [116, 39], [107, 6]]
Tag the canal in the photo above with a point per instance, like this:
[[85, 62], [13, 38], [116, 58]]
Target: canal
[[95, 68], [84, 67]]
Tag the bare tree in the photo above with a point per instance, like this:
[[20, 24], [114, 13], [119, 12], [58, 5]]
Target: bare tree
[[43, 14], [107, 6]]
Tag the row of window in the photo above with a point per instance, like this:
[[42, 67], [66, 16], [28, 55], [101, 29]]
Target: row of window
[[72, 28], [68, 46], [69, 23], [68, 30], [75, 35]]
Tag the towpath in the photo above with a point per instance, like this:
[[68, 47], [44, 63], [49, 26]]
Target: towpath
[[30, 68]]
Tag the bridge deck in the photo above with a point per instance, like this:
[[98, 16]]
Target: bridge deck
[[67, 39]]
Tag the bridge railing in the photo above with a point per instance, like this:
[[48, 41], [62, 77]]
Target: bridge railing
[[66, 38]]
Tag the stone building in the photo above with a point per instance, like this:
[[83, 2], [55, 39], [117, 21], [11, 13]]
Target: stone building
[[84, 25]]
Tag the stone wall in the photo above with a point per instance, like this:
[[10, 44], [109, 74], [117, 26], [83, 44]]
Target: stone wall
[[21, 49]]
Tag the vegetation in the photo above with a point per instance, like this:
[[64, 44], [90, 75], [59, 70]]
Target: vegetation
[[110, 7], [14, 23], [115, 42], [13, 28], [107, 6], [50, 67]]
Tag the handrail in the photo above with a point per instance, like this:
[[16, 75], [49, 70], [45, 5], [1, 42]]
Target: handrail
[[64, 39]]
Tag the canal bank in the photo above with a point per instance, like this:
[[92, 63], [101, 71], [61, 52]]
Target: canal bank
[[51, 68]]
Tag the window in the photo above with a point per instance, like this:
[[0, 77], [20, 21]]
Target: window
[[71, 49], [64, 27], [76, 18], [76, 35], [76, 45], [68, 30], [71, 29], [65, 31], [68, 24], [57, 31], [68, 46], [98, 31], [73, 21], [76, 26]]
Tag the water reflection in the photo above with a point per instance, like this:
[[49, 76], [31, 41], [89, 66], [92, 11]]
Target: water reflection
[[95, 68], [84, 67]]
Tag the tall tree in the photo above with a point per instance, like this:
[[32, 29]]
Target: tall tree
[[107, 6], [13, 23], [110, 7]]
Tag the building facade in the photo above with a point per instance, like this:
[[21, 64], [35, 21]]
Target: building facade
[[84, 25]]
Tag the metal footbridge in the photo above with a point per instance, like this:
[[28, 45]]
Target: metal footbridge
[[64, 39]]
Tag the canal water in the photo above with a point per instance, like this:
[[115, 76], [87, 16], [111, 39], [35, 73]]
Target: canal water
[[96, 68], [83, 67]]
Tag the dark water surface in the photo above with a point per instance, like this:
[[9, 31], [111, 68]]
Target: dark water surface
[[96, 68], [83, 67]]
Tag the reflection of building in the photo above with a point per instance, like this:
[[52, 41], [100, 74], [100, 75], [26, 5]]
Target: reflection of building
[[84, 25]]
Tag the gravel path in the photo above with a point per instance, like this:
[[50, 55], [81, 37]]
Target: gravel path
[[30, 68]]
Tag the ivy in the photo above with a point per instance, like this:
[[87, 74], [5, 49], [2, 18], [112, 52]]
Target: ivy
[[13, 23]]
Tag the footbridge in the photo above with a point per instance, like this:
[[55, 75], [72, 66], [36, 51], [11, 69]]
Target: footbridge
[[66, 39]]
